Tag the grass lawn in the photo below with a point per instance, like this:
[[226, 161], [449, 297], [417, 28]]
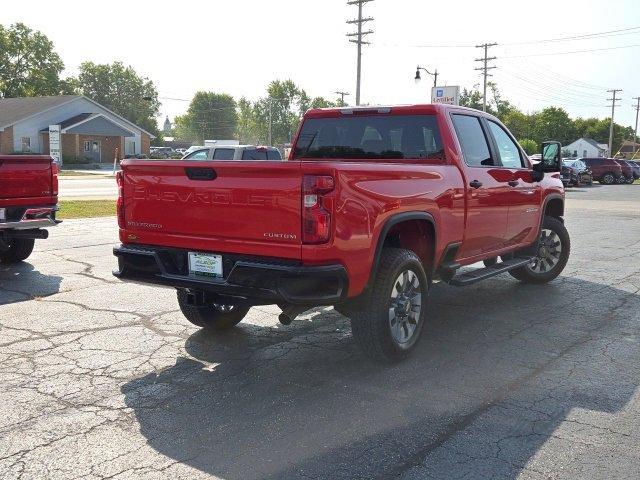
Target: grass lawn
[[86, 208]]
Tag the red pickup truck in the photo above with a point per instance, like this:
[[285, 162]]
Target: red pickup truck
[[371, 207], [28, 203]]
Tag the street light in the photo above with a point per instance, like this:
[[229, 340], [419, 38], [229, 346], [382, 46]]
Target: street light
[[435, 75]]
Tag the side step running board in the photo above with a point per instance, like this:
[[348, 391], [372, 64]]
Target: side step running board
[[479, 274]]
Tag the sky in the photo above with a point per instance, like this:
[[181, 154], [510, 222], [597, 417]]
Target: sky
[[239, 46]]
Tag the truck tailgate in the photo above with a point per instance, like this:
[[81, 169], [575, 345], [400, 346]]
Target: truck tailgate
[[25, 177], [241, 207]]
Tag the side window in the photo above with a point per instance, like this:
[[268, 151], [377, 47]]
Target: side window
[[508, 150], [254, 154], [223, 153], [474, 144], [198, 155], [274, 155]]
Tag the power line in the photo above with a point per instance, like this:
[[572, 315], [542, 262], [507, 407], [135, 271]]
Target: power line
[[572, 52], [613, 109], [360, 34], [485, 68], [558, 86], [586, 36]]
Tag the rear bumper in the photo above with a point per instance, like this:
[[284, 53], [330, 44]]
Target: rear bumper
[[29, 218], [257, 280]]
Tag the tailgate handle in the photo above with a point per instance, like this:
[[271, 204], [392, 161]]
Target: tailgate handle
[[200, 173]]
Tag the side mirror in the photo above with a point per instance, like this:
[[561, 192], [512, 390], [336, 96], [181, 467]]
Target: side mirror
[[551, 158]]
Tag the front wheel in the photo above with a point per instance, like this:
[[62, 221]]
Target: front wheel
[[621, 180], [19, 250], [608, 178], [388, 325], [215, 317], [554, 246]]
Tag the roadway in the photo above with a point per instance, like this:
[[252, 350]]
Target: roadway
[[89, 187]]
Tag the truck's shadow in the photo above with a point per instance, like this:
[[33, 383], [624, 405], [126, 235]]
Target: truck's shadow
[[22, 281], [502, 362]]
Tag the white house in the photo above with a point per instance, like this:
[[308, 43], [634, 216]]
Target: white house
[[88, 130], [587, 147]]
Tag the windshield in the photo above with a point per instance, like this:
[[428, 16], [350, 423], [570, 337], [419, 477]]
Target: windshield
[[371, 137]]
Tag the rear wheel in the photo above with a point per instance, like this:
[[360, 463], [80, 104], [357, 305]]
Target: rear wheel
[[621, 180], [215, 317], [630, 180], [388, 326], [553, 253], [608, 178], [19, 250]]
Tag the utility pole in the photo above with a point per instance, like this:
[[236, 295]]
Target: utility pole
[[485, 69], [635, 132], [358, 40], [270, 123], [342, 95], [613, 109]]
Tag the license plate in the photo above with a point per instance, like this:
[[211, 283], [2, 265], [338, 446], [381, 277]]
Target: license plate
[[3, 215], [205, 265]]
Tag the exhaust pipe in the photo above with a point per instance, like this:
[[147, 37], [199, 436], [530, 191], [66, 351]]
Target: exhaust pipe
[[290, 312], [37, 234]]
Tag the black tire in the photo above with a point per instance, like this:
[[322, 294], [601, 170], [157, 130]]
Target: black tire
[[608, 178], [211, 317], [19, 250], [630, 180], [537, 271], [490, 262], [621, 180], [378, 335]]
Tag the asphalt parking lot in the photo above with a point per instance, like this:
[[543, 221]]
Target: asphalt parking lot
[[107, 380]]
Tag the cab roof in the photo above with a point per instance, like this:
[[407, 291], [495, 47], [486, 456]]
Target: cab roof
[[415, 109]]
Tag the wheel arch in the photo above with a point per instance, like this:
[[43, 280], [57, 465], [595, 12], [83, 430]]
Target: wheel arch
[[405, 230], [553, 206]]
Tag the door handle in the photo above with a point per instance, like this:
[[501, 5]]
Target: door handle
[[513, 183], [200, 173], [475, 184]]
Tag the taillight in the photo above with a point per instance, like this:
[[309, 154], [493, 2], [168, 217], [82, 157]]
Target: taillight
[[316, 219], [54, 178], [120, 203]]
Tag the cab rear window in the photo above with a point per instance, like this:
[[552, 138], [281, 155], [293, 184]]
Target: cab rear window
[[370, 137]]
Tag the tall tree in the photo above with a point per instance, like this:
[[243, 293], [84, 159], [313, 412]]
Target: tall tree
[[210, 116], [122, 90], [553, 123], [473, 99], [29, 66]]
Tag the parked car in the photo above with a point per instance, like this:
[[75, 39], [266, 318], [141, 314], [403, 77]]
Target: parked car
[[28, 203], [605, 170], [635, 169], [568, 174], [235, 152], [161, 152], [582, 172], [373, 204], [627, 172]]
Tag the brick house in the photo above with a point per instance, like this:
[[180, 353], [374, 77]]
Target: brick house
[[88, 130]]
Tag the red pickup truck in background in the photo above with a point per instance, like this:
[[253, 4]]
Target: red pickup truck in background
[[28, 203], [373, 205]]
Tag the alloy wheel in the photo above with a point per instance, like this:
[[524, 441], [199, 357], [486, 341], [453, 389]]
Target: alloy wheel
[[405, 307], [549, 250]]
